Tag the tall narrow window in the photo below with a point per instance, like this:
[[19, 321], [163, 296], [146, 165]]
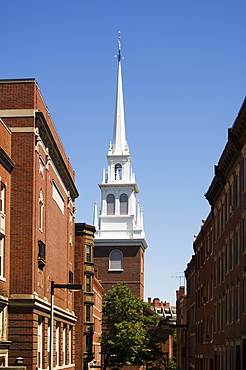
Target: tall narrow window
[[110, 204], [118, 171], [41, 211], [88, 253], [40, 341], [123, 204], [57, 343], [88, 313], [88, 287], [244, 234], [2, 198], [238, 247], [238, 301], [231, 254], [57, 196], [116, 260], [48, 342], [70, 345], [1, 255], [237, 190], [64, 344], [244, 173]]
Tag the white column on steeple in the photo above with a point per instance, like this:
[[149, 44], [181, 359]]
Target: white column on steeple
[[138, 220], [95, 221]]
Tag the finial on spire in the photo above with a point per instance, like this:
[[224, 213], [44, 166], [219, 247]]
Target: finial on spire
[[119, 55]]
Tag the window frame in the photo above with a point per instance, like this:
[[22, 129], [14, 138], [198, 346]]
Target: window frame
[[113, 263]]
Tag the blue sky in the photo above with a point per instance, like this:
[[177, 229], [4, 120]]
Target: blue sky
[[184, 82]]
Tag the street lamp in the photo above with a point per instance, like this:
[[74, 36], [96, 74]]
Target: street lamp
[[71, 287]]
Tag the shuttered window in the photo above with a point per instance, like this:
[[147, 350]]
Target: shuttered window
[[110, 204], [116, 260], [123, 204]]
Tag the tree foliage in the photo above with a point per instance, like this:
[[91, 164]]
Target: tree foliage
[[129, 335]]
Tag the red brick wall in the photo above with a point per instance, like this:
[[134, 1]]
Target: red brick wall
[[131, 274], [34, 174]]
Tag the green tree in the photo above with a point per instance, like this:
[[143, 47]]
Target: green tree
[[130, 336]]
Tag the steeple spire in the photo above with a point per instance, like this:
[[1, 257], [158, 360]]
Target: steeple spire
[[119, 144]]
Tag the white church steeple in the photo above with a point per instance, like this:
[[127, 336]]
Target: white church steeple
[[119, 143], [120, 216]]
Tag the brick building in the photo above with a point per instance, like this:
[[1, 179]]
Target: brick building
[[216, 274], [120, 239], [41, 228], [181, 324], [6, 167], [97, 318], [88, 303]]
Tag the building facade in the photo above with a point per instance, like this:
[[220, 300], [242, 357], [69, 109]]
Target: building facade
[[41, 230], [6, 168], [120, 239], [88, 303], [181, 324], [216, 275]]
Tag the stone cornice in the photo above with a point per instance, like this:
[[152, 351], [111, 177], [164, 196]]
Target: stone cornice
[[120, 243], [34, 302], [54, 152], [233, 148]]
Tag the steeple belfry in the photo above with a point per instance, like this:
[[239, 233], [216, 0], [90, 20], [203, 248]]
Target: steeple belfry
[[119, 239], [119, 143]]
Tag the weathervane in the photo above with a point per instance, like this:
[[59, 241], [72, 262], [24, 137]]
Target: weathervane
[[119, 55]]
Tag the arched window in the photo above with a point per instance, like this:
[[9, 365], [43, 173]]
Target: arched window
[[110, 204], [118, 171], [116, 260], [123, 204]]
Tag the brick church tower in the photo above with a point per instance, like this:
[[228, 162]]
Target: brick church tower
[[120, 239]]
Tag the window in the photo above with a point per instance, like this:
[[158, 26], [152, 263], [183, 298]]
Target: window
[[64, 344], [110, 204], [88, 253], [70, 277], [116, 260], [40, 341], [41, 210], [227, 257], [244, 291], [237, 190], [57, 342], [88, 313], [70, 345], [1, 322], [48, 342], [238, 301], [88, 343], [118, 171], [57, 196], [1, 255], [244, 234], [237, 247], [231, 254], [244, 174], [2, 199], [123, 204], [88, 287], [41, 255], [227, 205]]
